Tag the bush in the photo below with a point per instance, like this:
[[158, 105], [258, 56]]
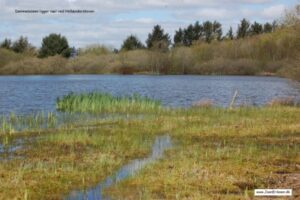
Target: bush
[[7, 56], [182, 59], [51, 65], [96, 50], [222, 66]]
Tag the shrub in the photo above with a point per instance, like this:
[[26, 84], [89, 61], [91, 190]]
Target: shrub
[[7, 56], [95, 50], [51, 65]]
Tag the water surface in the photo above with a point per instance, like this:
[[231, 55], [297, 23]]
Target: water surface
[[27, 94]]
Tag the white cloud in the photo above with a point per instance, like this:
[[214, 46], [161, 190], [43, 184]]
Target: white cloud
[[145, 20], [273, 11], [214, 13]]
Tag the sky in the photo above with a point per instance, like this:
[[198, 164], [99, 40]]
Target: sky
[[113, 20]]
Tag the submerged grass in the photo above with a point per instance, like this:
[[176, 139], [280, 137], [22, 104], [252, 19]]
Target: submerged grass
[[14, 123], [64, 160], [97, 102], [217, 154]]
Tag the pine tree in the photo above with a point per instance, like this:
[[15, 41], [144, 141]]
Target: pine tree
[[6, 44], [178, 37], [256, 28], [208, 31], [131, 43], [229, 34], [189, 35], [243, 29], [158, 39], [268, 28], [21, 45], [217, 30]]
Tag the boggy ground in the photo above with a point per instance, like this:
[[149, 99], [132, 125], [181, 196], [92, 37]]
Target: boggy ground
[[223, 154], [217, 154]]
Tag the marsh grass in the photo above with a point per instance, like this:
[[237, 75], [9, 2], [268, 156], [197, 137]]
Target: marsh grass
[[97, 102], [15, 123], [284, 101], [218, 154], [73, 159]]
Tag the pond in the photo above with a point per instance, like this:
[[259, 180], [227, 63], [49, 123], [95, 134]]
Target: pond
[[28, 94]]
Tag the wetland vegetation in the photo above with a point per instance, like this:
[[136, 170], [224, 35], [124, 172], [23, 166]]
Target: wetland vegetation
[[218, 153], [97, 102]]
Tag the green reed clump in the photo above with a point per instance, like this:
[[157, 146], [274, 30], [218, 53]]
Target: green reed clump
[[98, 102]]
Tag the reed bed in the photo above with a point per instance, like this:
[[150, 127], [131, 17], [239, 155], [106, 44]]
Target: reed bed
[[97, 102]]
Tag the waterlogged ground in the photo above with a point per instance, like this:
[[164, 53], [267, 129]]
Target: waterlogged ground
[[28, 94], [216, 154], [161, 144]]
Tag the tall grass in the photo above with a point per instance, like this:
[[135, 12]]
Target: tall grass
[[97, 102]]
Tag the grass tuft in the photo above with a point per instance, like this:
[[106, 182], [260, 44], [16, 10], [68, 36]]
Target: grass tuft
[[97, 102]]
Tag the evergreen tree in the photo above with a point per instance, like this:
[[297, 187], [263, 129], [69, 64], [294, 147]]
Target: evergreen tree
[[158, 39], [55, 44], [21, 45], [208, 31], [6, 44], [198, 31], [268, 28], [131, 43], [256, 28], [189, 35], [217, 30], [243, 29], [178, 37], [229, 34], [274, 25]]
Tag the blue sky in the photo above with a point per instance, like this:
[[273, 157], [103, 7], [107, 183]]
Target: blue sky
[[113, 20]]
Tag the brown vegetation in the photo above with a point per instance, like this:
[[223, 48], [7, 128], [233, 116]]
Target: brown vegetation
[[275, 53]]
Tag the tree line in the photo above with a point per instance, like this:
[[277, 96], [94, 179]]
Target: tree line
[[205, 32], [158, 39], [53, 44]]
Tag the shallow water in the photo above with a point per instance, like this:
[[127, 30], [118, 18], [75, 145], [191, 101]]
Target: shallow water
[[96, 193], [27, 94], [7, 151]]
